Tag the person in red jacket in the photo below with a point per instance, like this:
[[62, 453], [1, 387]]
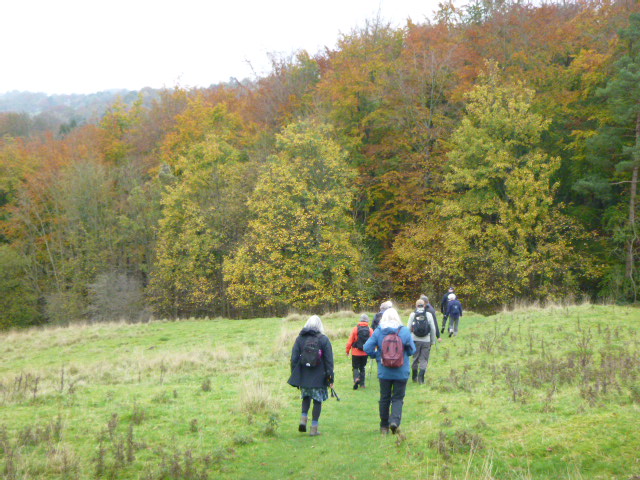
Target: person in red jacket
[[359, 336]]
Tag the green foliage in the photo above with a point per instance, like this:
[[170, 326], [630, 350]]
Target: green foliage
[[615, 150], [301, 248], [18, 301]]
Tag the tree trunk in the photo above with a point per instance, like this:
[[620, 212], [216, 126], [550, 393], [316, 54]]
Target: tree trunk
[[632, 219], [632, 211]]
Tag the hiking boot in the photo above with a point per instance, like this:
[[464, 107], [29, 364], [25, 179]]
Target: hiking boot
[[384, 430], [394, 428], [303, 424], [314, 431], [356, 383], [421, 377], [442, 330], [414, 375], [450, 333]]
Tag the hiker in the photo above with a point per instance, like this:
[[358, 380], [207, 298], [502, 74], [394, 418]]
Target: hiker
[[443, 308], [391, 345], [454, 312], [312, 370], [378, 316], [429, 308], [359, 336], [424, 331]]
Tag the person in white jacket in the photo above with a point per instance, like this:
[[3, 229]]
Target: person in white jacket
[[424, 331]]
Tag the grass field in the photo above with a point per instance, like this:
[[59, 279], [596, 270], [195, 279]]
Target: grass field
[[529, 394]]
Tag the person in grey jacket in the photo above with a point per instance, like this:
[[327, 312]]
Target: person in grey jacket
[[423, 342], [312, 379]]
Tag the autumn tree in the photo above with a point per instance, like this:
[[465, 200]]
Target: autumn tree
[[504, 238], [301, 248], [203, 217]]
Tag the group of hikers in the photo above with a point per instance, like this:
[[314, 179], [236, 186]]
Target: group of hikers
[[386, 340]]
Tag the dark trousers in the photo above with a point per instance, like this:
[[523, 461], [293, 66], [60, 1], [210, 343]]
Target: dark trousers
[[317, 408], [359, 364], [391, 398]]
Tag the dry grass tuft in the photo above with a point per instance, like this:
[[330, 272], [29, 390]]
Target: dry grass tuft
[[522, 306], [295, 317], [338, 333], [63, 460], [256, 397], [285, 340], [342, 314]]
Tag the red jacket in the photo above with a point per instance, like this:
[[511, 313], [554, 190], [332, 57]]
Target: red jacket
[[354, 337]]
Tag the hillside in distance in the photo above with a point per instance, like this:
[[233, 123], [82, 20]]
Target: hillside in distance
[[23, 114]]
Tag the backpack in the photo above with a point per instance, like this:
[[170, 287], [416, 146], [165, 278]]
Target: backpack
[[363, 336], [311, 352], [392, 350], [454, 308], [421, 327]]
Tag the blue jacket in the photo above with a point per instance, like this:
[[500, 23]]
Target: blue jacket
[[373, 347], [450, 309]]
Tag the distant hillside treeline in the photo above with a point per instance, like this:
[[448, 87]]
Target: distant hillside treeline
[[25, 114], [494, 148]]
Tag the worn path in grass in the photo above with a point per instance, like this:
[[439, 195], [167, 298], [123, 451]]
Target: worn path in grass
[[534, 393]]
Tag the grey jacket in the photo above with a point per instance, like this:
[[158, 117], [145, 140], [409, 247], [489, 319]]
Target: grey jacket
[[433, 329]]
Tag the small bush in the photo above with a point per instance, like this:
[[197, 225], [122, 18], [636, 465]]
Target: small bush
[[243, 439], [271, 427], [138, 414], [193, 425]]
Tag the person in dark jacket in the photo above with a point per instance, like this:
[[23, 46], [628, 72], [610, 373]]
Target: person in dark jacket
[[311, 377], [430, 309], [359, 356], [393, 381], [443, 308], [378, 316], [454, 312]]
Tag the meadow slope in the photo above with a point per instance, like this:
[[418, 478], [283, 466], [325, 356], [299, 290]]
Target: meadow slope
[[528, 394]]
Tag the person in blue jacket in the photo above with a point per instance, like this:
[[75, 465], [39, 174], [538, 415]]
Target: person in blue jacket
[[393, 381], [454, 312]]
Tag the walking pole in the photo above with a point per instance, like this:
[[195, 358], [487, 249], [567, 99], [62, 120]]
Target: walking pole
[[334, 394]]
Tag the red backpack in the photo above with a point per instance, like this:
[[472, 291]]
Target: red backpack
[[392, 350]]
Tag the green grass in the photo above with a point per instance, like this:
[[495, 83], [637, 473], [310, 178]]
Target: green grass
[[528, 394]]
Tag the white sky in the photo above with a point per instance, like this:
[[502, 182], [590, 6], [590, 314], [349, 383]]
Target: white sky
[[85, 46]]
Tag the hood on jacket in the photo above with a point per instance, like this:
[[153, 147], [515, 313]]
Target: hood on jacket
[[309, 332], [388, 330]]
